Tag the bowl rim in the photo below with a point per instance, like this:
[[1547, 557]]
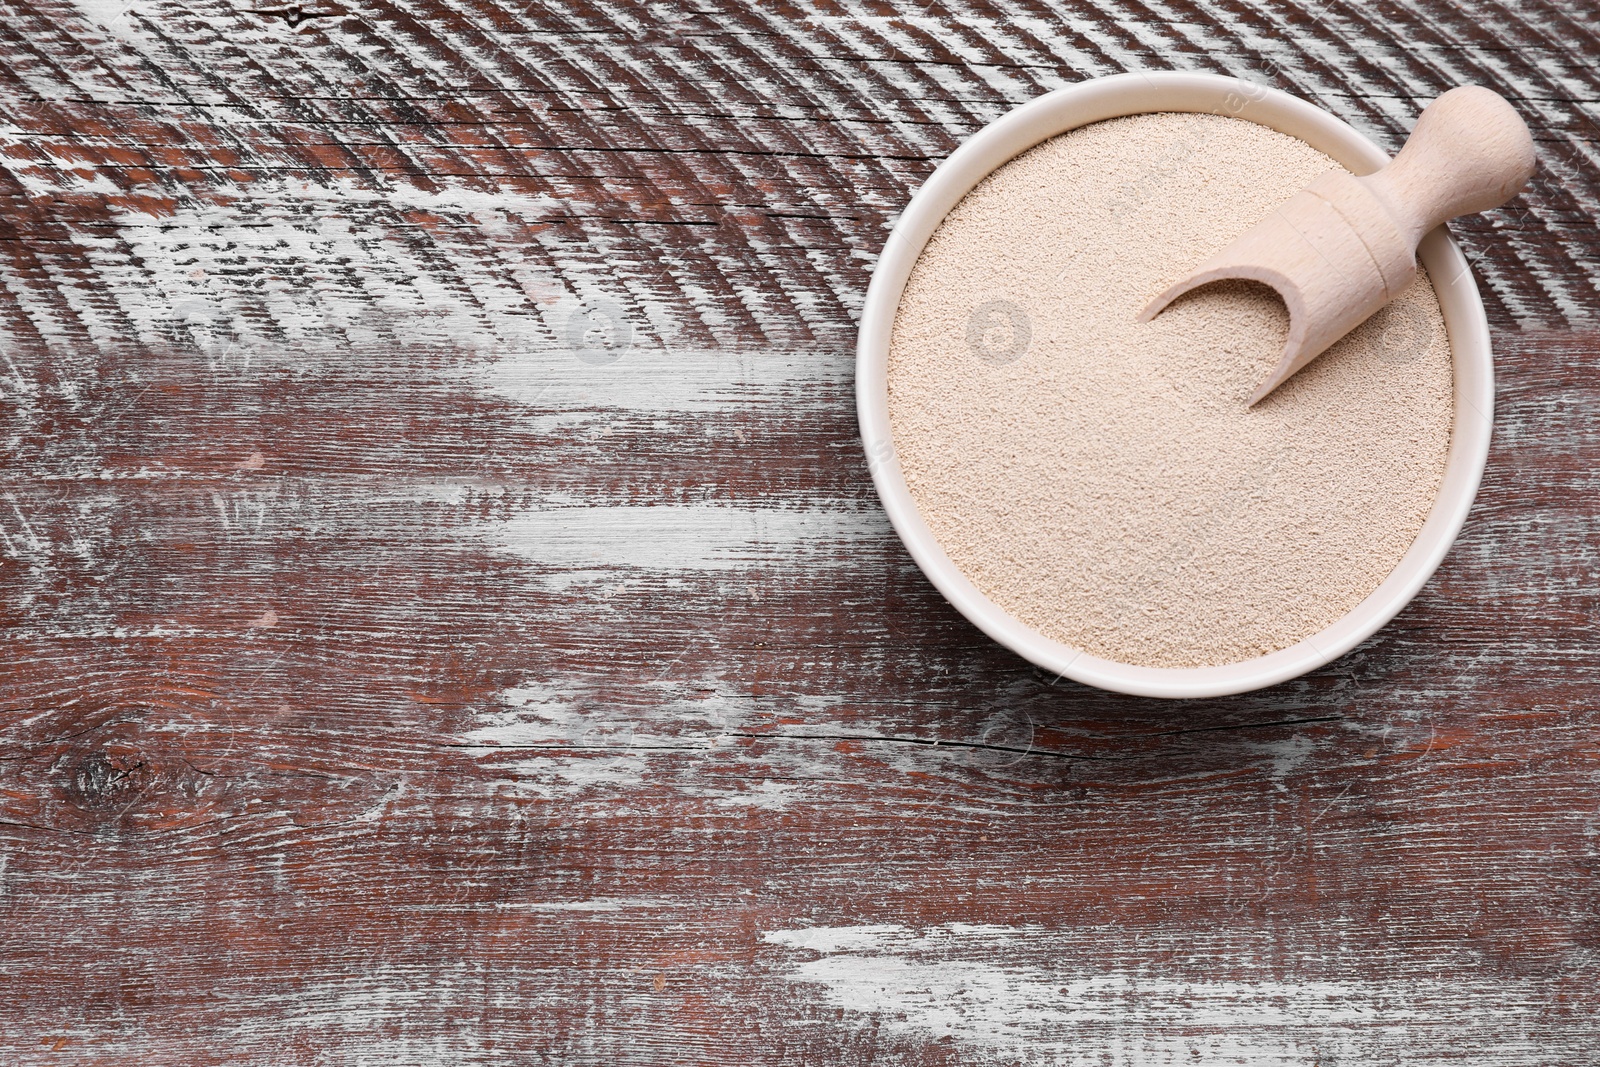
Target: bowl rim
[[1114, 96]]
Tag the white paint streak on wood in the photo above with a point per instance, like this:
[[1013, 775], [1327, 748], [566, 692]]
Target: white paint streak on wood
[[340, 262], [766, 795], [555, 739], [952, 982], [58, 173], [596, 904], [565, 384], [114, 16], [588, 539]]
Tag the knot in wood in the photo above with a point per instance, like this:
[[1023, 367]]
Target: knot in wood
[[295, 14], [106, 780]]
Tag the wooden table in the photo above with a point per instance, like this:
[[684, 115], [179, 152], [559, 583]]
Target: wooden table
[[448, 619]]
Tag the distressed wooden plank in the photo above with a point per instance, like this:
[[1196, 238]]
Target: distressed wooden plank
[[449, 621]]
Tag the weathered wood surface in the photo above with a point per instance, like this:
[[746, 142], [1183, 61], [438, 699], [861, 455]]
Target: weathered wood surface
[[448, 619]]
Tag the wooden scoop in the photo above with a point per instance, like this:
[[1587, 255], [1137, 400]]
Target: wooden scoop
[[1344, 246]]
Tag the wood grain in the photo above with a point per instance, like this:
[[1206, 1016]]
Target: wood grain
[[449, 621]]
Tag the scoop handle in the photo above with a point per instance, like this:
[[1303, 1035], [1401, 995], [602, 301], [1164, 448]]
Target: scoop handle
[[1470, 151]]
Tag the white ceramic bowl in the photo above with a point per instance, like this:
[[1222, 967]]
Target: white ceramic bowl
[[1130, 94]]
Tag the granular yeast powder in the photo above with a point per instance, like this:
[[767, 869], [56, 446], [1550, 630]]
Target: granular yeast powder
[[1101, 479]]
